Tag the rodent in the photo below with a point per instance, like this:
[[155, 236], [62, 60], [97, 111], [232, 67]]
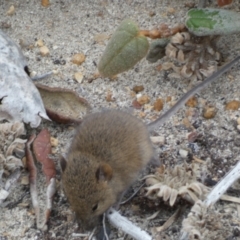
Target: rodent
[[107, 153]]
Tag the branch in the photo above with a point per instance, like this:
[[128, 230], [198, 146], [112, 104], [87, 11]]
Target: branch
[[128, 227]]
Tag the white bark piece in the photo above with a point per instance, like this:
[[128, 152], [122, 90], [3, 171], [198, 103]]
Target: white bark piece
[[223, 185], [19, 98], [12, 179], [218, 191], [128, 227]]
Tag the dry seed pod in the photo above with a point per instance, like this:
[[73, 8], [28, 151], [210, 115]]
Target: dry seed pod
[[195, 57], [205, 223], [179, 182]]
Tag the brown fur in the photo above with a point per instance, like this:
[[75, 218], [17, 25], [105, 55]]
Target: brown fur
[[109, 150]]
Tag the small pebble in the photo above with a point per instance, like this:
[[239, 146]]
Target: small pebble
[[39, 43], [171, 10], [183, 153], [158, 140], [238, 121], [142, 114], [25, 43], [78, 76], [132, 94], [44, 51], [59, 62], [191, 102], [25, 180], [11, 11], [168, 99], [54, 151], [238, 127], [23, 204], [54, 142], [78, 58], [233, 105], [152, 13], [100, 38], [138, 89], [33, 74], [209, 112], [143, 99], [158, 105], [109, 97]]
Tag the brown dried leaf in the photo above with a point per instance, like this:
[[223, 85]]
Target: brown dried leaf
[[42, 149], [222, 3], [31, 167], [136, 104], [45, 3], [63, 105], [158, 105]]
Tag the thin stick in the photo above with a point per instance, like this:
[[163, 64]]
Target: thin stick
[[39, 77], [128, 199], [32, 177], [104, 226]]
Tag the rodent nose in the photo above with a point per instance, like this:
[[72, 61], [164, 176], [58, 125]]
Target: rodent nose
[[90, 224]]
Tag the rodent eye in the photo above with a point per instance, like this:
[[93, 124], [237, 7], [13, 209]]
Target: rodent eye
[[94, 208]]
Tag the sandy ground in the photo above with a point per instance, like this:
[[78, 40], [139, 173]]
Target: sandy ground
[[71, 26]]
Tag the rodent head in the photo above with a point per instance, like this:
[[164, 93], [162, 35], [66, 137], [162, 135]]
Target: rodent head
[[87, 185]]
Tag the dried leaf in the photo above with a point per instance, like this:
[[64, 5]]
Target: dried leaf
[[222, 3], [42, 150], [63, 105], [26, 105], [157, 49]]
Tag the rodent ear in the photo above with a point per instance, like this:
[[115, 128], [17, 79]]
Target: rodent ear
[[104, 172], [63, 163]]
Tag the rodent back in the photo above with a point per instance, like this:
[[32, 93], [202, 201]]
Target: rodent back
[[116, 138]]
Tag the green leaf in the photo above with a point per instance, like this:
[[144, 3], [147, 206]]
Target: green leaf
[[125, 48], [207, 21]]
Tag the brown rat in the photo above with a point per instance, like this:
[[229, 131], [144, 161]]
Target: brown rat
[[108, 151]]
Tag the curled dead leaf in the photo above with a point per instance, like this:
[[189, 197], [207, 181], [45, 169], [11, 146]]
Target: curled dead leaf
[[63, 105], [42, 150], [222, 3]]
